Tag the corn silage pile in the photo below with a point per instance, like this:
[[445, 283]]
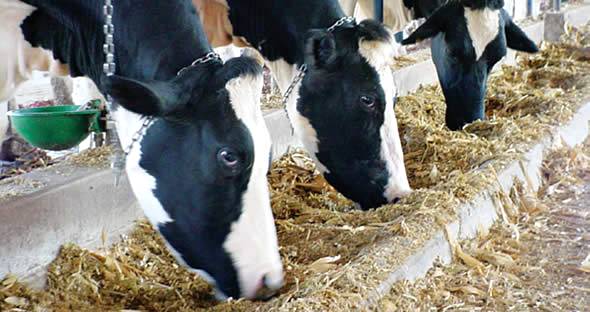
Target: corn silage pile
[[321, 236]]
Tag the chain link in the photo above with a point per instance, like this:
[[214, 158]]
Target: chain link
[[296, 79], [138, 134], [342, 21], [109, 69], [211, 56]]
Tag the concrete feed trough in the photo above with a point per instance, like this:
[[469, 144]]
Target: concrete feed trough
[[42, 210]]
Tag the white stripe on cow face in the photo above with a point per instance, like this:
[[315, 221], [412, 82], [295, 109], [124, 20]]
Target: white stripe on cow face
[[379, 55], [483, 27], [252, 241], [304, 131], [142, 183]]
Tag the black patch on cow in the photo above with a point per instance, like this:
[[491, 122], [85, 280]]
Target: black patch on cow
[[278, 28]]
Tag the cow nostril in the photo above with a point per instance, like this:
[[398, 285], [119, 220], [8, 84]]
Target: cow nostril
[[266, 291], [396, 200]]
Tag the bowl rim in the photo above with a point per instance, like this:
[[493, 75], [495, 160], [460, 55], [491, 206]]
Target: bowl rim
[[23, 112]]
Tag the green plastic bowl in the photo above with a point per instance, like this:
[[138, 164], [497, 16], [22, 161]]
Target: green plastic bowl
[[54, 128]]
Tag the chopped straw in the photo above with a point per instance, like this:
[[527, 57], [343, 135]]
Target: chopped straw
[[329, 248]]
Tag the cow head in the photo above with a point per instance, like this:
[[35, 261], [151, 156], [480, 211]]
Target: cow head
[[199, 171], [344, 112], [470, 37]]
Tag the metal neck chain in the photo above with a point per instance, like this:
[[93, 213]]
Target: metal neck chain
[[109, 68], [138, 134], [209, 57], [342, 21], [303, 68]]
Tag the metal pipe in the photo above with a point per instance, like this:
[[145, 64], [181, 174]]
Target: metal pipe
[[556, 5], [529, 8], [378, 10]]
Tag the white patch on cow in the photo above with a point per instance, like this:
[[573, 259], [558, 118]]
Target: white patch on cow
[[227, 52], [483, 27], [304, 131], [252, 241], [378, 54], [142, 183]]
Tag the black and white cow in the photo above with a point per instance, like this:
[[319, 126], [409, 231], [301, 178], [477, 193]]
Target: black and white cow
[[199, 169], [342, 109], [469, 38]]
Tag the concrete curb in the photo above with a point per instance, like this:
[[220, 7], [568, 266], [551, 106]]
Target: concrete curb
[[481, 212], [75, 204]]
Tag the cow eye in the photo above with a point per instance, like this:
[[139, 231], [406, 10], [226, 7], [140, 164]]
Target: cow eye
[[228, 158], [368, 101]]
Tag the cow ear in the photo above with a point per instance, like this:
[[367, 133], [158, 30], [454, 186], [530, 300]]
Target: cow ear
[[433, 25], [145, 98], [516, 38], [320, 48]]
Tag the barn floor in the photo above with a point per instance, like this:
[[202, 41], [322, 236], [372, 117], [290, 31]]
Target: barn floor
[[540, 262]]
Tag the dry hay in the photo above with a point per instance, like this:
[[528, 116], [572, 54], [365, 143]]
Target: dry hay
[[323, 239], [33, 159], [95, 157], [38, 158], [533, 261], [137, 273], [403, 61], [271, 100]]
